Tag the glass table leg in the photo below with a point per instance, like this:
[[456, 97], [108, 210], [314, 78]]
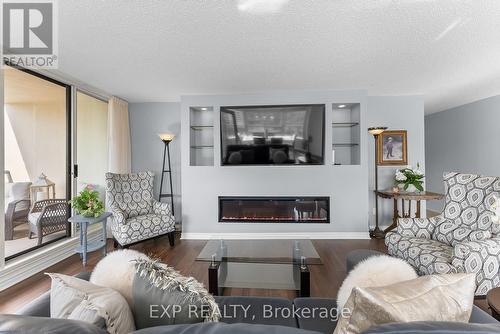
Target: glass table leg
[[305, 282]]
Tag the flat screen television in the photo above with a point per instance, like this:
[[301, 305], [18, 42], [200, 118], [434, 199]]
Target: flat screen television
[[272, 135]]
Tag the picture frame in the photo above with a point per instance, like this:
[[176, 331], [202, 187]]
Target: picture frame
[[392, 148]]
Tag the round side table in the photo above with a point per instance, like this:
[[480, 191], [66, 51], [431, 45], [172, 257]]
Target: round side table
[[493, 299], [84, 222]]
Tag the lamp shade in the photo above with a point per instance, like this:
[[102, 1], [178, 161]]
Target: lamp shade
[[377, 130], [166, 137]]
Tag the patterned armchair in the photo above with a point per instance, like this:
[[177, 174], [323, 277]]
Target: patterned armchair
[[136, 215], [463, 238]]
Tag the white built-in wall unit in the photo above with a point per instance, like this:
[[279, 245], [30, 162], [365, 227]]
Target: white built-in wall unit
[[345, 184], [346, 179]]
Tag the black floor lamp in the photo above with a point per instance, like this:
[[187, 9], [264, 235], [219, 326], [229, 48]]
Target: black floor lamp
[[376, 131], [166, 138]]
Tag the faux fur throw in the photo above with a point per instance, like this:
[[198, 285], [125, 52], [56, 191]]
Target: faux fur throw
[[375, 271], [116, 271], [167, 278]]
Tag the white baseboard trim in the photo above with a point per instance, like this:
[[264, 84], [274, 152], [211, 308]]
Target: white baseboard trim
[[27, 265], [284, 235]]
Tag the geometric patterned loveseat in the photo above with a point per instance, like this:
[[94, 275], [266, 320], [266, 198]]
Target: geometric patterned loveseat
[[463, 238], [137, 216]]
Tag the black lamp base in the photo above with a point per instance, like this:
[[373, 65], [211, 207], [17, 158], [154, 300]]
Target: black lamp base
[[377, 233]]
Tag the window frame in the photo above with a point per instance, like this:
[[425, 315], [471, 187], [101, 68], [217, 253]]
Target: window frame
[[69, 158]]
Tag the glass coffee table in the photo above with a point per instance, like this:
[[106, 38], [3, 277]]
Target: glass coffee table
[[260, 264]]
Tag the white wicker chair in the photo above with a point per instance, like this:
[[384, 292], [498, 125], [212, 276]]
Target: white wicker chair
[[48, 216]]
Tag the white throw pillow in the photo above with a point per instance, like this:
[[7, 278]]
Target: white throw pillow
[[20, 190], [375, 271], [77, 299], [117, 271], [7, 189]]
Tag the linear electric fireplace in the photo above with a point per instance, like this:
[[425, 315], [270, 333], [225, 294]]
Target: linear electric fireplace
[[274, 209]]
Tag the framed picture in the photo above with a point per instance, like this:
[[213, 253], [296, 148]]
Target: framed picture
[[392, 148]]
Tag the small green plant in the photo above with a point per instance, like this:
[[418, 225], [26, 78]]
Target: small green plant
[[87, 203], [408, 176]]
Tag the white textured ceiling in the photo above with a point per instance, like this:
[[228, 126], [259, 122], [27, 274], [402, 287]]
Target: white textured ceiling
[[447, 50]]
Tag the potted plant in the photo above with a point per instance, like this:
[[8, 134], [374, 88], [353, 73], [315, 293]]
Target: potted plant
[[409, 179], [87, 203]]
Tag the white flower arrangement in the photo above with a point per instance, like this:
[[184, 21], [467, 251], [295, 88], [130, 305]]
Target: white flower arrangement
[[400, 176], [409, 176]]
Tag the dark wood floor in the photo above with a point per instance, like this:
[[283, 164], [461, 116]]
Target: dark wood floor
[[325, 279]]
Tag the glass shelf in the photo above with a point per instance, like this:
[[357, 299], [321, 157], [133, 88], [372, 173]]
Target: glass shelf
[[202, 146], [344, 124], [201, 127], [345, 144]]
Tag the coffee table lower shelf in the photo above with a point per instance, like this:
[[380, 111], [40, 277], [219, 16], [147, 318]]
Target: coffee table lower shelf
[[259, 276]]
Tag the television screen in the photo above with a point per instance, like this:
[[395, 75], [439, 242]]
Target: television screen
[[272, 135]]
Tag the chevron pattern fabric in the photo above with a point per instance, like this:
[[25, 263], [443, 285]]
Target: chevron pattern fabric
[[136, 215], [463, 238]]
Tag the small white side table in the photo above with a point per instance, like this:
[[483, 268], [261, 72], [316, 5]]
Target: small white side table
[[84, 247]]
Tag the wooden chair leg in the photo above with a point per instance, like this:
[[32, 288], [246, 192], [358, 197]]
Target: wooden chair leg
[[171, 238]]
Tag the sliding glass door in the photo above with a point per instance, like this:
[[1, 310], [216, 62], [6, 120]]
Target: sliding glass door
[[91, 161], [37, 114]]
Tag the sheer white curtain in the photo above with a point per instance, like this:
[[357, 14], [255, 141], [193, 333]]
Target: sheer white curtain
[[119, 156]]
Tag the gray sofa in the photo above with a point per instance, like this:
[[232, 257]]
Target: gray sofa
[[35, 315]]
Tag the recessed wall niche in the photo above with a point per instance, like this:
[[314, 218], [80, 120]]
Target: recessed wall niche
[[346, 133], [201, 125]]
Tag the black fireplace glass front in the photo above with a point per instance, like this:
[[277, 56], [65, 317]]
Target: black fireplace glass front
[[274, 209]]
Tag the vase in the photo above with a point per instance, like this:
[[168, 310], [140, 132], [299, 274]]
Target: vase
[[411, 188]]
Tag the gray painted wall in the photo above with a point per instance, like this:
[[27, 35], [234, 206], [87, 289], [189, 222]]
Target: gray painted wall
[[397, 113], [147, 120], [462, 139]]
